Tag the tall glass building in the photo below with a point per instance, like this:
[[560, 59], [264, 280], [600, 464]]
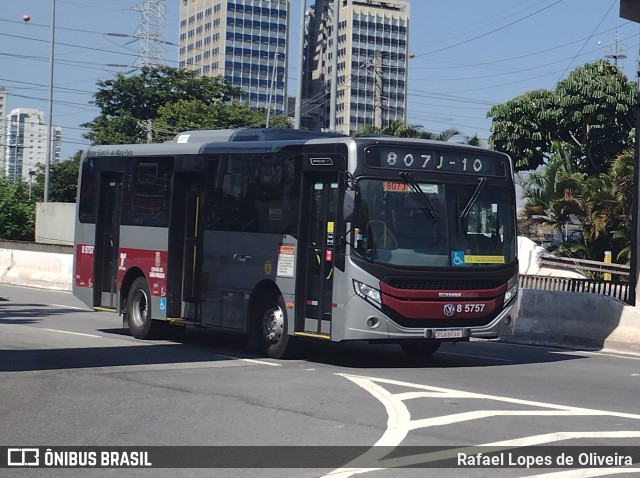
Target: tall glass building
[[373, 52], [26, 136], [245, 41]]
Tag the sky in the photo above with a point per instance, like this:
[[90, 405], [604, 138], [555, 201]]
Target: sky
[[467, 54]]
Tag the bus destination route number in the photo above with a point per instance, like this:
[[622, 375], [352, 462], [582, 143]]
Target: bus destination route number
[[445, 161]]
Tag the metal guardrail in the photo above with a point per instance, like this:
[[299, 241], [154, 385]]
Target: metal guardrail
[[585, 264], [617, 290], [36, 247]]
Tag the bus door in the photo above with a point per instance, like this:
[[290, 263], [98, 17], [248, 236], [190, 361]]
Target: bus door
[[107, 240], [320, 243], [185, 247]]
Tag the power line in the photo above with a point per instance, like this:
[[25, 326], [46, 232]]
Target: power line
[[585, 43], [491, 31]]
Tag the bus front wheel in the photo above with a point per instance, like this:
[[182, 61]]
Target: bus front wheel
[[420, 350], [272, 329], [141, 325]]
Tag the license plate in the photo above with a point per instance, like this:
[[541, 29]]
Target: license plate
[[448, 333]]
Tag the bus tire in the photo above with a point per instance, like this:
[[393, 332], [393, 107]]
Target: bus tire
[[139, 319], [270, 330], [420, 350]]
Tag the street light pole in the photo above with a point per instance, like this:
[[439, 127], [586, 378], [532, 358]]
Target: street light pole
[[49, 148], [635, 225]]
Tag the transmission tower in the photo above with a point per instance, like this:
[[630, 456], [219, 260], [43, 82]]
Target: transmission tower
[[151, 32]]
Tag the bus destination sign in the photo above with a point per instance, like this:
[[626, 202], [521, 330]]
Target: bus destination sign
[[415, 158]]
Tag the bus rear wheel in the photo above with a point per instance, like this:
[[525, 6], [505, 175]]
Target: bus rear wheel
[[272, 323], [139, 319], [420, 350]]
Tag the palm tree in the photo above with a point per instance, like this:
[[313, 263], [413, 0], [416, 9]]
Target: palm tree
[[551, 192]]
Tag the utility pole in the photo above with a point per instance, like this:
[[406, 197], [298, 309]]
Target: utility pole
[[615, 53], [297, 122], [630, 9], [334, 66], [48, 150], [377, 91], [271, 99], [634, 293]]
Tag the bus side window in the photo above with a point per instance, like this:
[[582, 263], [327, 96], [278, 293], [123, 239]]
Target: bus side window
[[146, 199], [88, 193]]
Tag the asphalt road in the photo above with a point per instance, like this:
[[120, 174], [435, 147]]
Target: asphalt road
[[73, 377]]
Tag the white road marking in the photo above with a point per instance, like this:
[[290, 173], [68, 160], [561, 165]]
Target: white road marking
[[586, 473], [71, 307], [399, 424], [68, 332], [258, 362], [475, 356]]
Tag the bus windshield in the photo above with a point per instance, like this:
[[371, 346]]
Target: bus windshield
[[410, 223]]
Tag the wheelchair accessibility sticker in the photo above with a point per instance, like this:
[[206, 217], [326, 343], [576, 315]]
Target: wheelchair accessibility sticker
[[163, 303], [457, 258]]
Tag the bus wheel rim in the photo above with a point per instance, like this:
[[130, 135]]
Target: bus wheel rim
[[139, 309], [273, 324]]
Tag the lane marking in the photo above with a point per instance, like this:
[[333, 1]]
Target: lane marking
[[605, 353], [628, 355], [475, 356], [36, 288], [399, 424], [586, 473], [248, 360], [71, 307], [69, 332]]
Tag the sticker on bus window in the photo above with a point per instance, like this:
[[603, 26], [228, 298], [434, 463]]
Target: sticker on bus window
[[286, 260], [479, 259], [457, 258]]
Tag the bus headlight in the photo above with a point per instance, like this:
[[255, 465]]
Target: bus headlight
[[367, 293], [512, 289]]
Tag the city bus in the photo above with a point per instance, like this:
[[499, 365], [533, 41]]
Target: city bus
[[290, 235]]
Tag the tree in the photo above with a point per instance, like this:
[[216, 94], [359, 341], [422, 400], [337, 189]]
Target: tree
[[402, 130], [591, 111], [186, 115], [17, 212], [600, 203], [130, 105], [63, 180]]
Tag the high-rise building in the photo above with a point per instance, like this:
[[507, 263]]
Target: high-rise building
[[26, 134], [3, 128], [373, 54], [245, 41]]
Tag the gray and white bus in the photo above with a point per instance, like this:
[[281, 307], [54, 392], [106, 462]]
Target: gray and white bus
[[286, 235]]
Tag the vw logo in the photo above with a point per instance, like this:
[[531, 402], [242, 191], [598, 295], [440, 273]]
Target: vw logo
[[449, 310]]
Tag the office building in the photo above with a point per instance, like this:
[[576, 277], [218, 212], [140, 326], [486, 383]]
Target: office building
[[245, 41], [26, 134], [373, 52], [3, 128]]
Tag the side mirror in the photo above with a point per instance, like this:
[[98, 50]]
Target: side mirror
[[349, 205]]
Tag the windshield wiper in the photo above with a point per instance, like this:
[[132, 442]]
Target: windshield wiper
[[421, 198], [474, 197]]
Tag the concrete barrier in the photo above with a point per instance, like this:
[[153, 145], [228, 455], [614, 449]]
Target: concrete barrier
[[576, 320], [573, 320], [36, 269]]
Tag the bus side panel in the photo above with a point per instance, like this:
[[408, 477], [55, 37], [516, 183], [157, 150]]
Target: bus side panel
[[146, 251], [83, 263], [233, 264], [285, 273]]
